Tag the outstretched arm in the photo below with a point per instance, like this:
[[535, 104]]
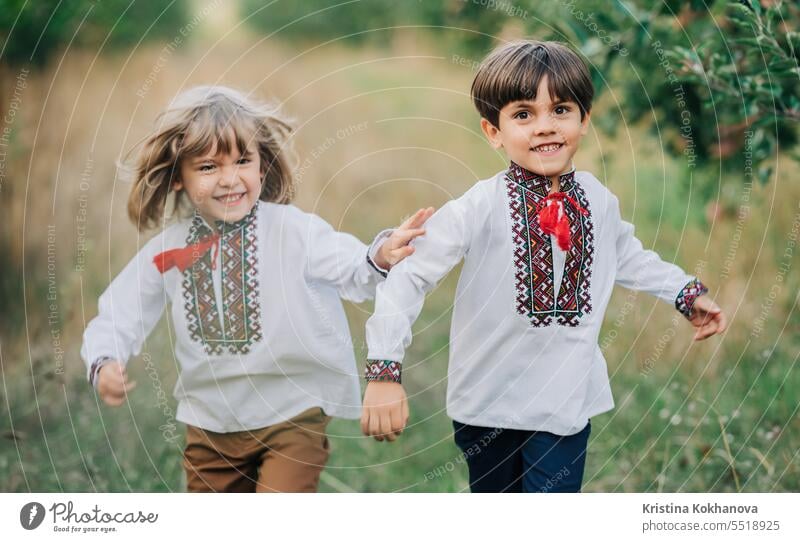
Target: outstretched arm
[[353, 268], [128, 310], [643, 270], [398, 303]]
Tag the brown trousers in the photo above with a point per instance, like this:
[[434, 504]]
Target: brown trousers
[[285, 457]]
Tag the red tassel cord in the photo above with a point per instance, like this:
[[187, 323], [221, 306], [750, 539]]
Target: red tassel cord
[[184, 258], [553, 220]]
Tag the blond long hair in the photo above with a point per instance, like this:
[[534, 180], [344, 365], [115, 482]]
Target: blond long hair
[[196, 121]]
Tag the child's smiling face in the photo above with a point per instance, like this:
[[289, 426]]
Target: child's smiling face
[[541, 135], [222, 186]]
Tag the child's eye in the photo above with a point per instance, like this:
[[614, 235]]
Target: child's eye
[[561, 109], [243, 160], [522, 115], [205, 168]]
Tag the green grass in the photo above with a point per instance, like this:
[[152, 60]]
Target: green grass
[[665, 434]]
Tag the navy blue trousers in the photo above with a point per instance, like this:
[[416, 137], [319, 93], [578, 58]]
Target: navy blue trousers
[[514, 461]]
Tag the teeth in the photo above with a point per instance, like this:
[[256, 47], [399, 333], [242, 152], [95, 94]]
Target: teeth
[[548, 148], [231, 198]]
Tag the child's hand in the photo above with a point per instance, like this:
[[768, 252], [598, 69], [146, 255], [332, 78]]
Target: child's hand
[[396, 248], [112, 383], [707, 317], [385, 411]]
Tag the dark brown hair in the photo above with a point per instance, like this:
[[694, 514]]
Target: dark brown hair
[[197, 121], [514, 71]]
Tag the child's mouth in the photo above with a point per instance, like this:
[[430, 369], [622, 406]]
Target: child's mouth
[[548, 148], [230, 199]]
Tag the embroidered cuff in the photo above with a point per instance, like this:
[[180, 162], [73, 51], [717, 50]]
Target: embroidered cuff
[[375, 247], [382, 370], [98, 363], [686, 297]]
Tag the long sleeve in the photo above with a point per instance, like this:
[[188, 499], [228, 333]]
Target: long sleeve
[[400, 298], [127, 311], [342, 260], [643, 270]]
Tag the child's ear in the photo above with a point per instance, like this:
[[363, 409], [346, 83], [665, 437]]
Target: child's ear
[[492, 133], [585, 123], [177, 185]]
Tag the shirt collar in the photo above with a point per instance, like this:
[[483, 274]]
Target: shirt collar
[[222, 226], [540, 183]]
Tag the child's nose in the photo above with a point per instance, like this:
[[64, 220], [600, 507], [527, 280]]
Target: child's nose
[[544, 126], [229, 176]]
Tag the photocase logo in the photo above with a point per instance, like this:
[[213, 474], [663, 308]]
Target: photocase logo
[[31, 515]]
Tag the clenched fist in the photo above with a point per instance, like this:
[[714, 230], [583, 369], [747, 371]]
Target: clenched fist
[[113, 384], [385, 410]]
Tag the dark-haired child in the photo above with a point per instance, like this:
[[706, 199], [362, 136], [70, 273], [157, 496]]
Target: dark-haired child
[[543, 246]]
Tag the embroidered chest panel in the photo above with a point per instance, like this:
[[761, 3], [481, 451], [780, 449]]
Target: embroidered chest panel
[[536, 298], [234, 327]]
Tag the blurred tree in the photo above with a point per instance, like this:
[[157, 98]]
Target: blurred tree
[[749, 78], [31, 32], [315, 21]]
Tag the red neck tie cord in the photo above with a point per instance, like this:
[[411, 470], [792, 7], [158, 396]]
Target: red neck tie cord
[[553, 220], [184, 258]]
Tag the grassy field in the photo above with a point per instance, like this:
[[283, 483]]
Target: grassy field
[[381, 133]]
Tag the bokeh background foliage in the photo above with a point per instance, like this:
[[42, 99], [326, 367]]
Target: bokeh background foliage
[[695, 128]]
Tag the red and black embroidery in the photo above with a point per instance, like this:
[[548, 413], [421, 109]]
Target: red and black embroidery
[[533, 252], [238, 325], [382, 370], [684, 302]]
